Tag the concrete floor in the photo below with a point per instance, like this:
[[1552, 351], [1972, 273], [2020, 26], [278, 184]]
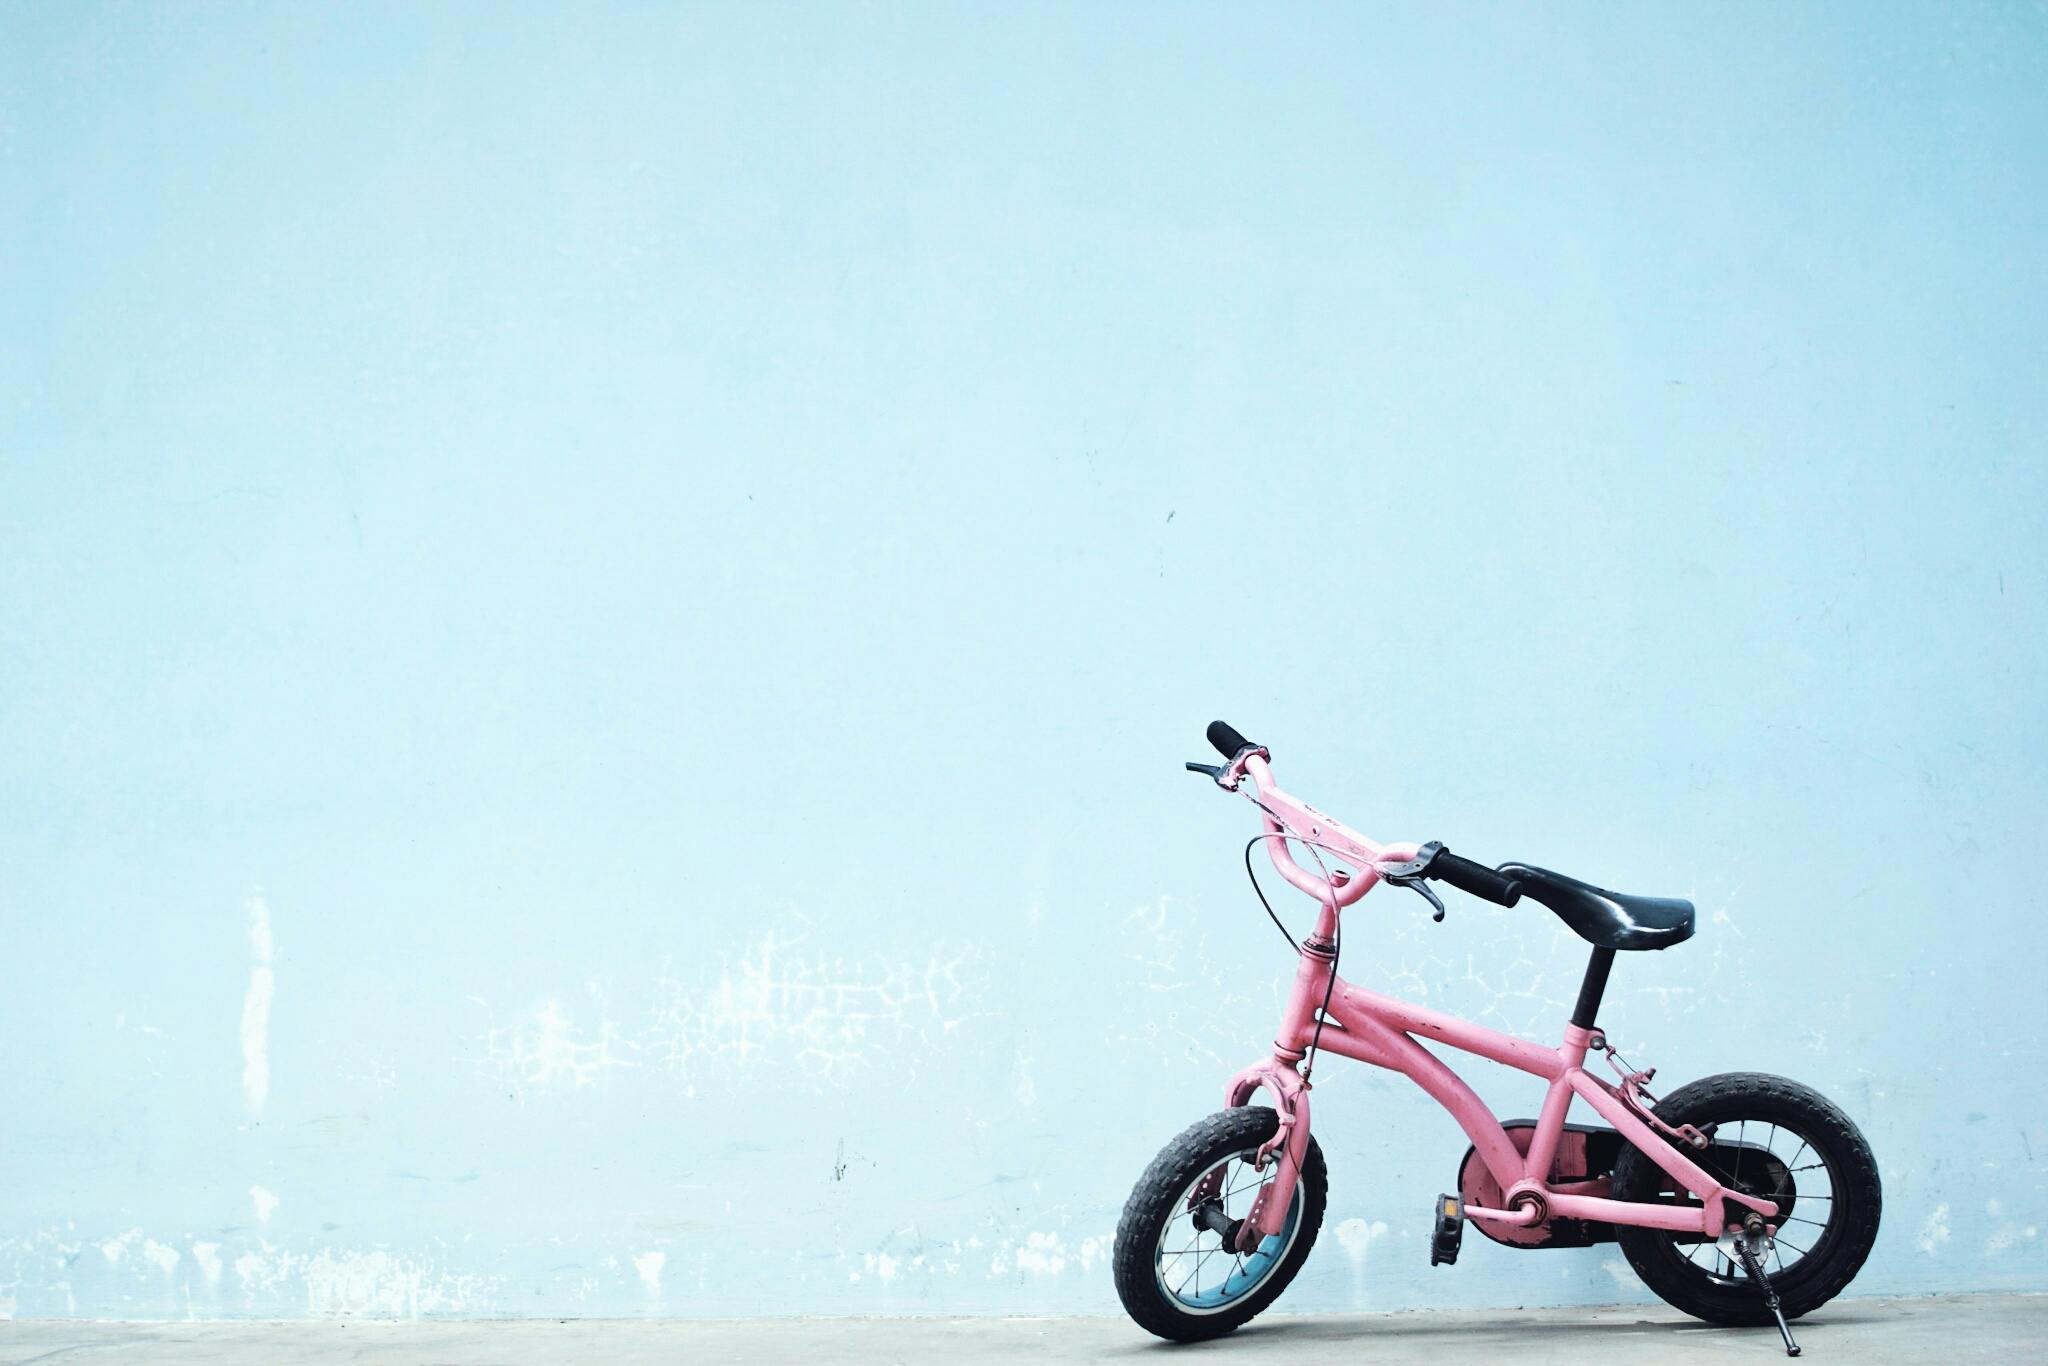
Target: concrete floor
[[2002, 1328]]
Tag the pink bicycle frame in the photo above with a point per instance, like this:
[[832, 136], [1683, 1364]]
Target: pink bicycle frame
[[1384, 1031]]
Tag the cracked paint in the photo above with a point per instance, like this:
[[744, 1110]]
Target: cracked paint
[[819, 1019]]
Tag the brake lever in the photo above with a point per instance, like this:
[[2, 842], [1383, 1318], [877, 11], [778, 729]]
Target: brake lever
[[1215, 772], [1423, 887], [1412, 873]]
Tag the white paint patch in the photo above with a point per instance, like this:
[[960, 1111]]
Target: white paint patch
[[256, 1008], [649, 1265], [1935, 1231], [1022, 1085], [1355, 1236], [255, 1273], [115, 1248], [1041, 1254], [207, 1257], [1624, 1275], [265, 1202], [163, 1258]]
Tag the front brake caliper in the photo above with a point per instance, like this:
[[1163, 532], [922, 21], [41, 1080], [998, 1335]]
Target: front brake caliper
[[1273, 1144]]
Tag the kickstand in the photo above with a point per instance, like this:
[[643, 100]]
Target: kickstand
[[1754, 1266]]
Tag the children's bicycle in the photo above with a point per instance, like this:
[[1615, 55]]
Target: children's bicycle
[[1741, 1199]]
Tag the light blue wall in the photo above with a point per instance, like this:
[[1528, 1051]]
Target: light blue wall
[[673, 556]]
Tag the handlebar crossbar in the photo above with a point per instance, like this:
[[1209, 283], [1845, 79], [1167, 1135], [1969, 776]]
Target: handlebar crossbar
[[1289, 821], [1288, 817]]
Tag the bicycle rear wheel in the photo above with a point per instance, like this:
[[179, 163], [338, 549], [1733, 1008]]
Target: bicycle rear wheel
[[1781, 1142]]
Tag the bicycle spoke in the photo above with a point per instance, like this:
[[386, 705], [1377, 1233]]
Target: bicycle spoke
[[1794, 1246], [1201, 1262], [1795, 1219], [1258, 1179]]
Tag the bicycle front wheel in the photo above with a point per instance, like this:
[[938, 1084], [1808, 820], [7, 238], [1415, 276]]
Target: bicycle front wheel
[[1174, 1272]]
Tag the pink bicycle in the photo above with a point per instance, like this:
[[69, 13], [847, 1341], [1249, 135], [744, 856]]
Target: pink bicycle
[[1740, 1199]]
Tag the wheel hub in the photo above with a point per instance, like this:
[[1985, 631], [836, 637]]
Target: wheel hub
[[1210, 1215]]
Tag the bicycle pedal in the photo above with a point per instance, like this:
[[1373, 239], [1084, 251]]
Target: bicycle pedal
[[1450, 1230]]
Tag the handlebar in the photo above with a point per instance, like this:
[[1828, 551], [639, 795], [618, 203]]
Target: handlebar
[[1287, 817], [1476, 878]]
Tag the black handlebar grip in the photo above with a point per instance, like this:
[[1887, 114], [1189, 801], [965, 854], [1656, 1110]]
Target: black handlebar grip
[[1228, 742], [1476, 878]]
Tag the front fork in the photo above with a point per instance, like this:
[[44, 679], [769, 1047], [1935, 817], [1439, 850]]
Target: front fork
[[1281, 1075], [1289, 1143]]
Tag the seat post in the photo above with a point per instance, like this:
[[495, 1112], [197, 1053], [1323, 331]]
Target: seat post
[[1592, 988]]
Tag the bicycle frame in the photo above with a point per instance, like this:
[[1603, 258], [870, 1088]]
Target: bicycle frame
[[1384, 1031]]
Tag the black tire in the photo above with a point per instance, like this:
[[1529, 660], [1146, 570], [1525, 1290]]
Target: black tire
[[1158, 1198], [1731, 1109]]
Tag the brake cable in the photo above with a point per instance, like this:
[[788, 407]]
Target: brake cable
[[1283, 833]]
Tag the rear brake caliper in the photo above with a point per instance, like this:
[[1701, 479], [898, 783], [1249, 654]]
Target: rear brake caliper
[[1635, 1094]]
